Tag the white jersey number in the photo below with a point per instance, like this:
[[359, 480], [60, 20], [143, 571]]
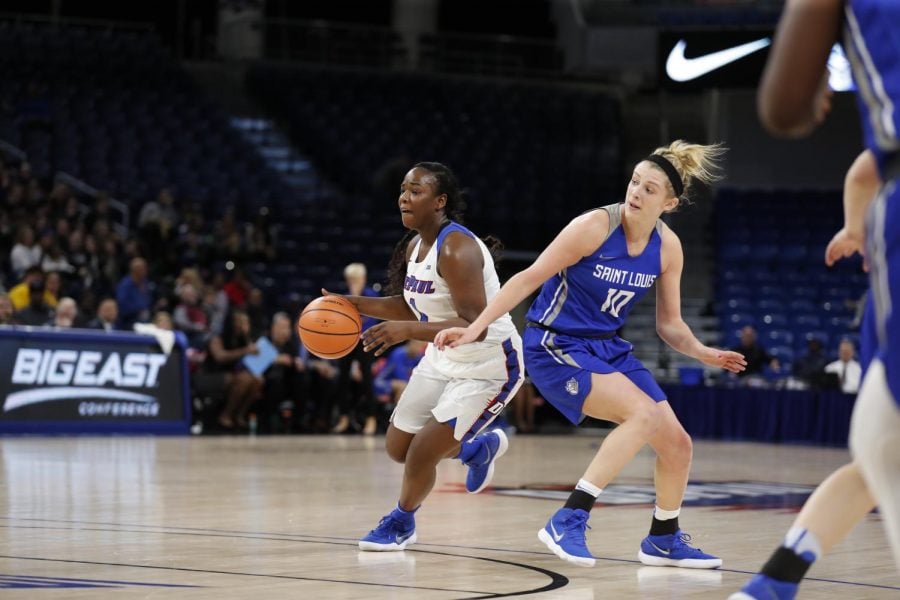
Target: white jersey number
[[615, 301]]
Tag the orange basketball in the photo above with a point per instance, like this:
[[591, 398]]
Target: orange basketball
[[329, 327]]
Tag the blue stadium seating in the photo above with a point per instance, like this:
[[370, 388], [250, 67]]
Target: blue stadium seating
[[773, 274], [516, 148]]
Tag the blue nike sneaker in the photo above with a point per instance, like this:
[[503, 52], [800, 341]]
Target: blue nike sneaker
[[673, 550], [564, 535], [394, 532], [763, 587], [480, 475]]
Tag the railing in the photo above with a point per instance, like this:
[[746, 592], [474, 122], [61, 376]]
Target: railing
[[106, 24], [77, 184], [14, 152], [330, 42], [659, 12], [362, 45], [501, 55]]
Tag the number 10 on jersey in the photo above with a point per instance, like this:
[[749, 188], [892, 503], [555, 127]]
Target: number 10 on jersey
[[615, 301]]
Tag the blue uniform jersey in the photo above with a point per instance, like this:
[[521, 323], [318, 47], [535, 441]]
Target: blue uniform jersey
[[594, 296], [871, 42]]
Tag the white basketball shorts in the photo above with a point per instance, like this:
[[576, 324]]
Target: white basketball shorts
[[471, 393]]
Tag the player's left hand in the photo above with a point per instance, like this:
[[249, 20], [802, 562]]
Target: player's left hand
[[725, 359], [378, 338], [845, 244], [453, 337]]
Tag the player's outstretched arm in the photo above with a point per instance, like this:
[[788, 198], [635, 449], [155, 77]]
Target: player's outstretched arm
[[793, 95], [578, 239], [860, 186], [669, 324], [390, 308]]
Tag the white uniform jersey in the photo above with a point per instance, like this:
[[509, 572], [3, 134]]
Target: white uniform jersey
[[428, 295]]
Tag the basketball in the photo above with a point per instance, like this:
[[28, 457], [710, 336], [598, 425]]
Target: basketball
[[329, 327]]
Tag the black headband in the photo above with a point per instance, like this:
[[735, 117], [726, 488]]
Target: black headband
[[674, 178]]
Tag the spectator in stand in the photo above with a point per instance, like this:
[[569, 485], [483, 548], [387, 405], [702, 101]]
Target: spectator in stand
[[188, 275], [77, 255], [846, 367], [190, 317], [100, 213], [26, 253], [256, 310], [260, 238], [362, 404], [226, 225], [6, 311], [66, 315], [215, 303], [391, 380], [62, 230], [107, 315], [37, 312], [237, 289], [55, 261], [320, 382], [7, 230], [20, 294], [194, 249], [16, 200], [223, 375], [46, 240], [52, 288], [72, 211], [163, 320], [134, 295], [159, 215], [756, 356], [809, 366], [284, 378], [108, 257], [233, 248]]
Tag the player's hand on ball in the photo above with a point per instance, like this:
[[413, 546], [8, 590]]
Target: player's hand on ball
[[327, 293], [453, 337], [379, 338], [845, 244], [725, 359]]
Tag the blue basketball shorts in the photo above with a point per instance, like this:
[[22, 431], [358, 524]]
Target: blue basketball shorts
[[883, 253], [560, 366]]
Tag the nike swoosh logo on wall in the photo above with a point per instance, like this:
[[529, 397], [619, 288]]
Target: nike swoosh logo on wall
[[679, 68]]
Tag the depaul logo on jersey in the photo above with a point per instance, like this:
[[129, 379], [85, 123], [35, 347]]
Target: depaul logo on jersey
[[572, 386], [418, 286], [100, 379]]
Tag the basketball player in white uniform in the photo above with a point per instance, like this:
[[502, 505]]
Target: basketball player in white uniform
[[453, 395]]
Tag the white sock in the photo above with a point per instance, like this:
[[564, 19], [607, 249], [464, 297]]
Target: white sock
[[586, 486], [664, 515], [804, 543]]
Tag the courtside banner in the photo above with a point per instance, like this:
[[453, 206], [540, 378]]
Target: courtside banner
[[694, 60], [81, 381]]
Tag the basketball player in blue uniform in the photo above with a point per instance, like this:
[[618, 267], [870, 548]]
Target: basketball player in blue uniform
[[592, 274], [451, 397], [791, 102]]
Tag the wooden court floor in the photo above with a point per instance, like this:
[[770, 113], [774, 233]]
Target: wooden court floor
[[279, 517]]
